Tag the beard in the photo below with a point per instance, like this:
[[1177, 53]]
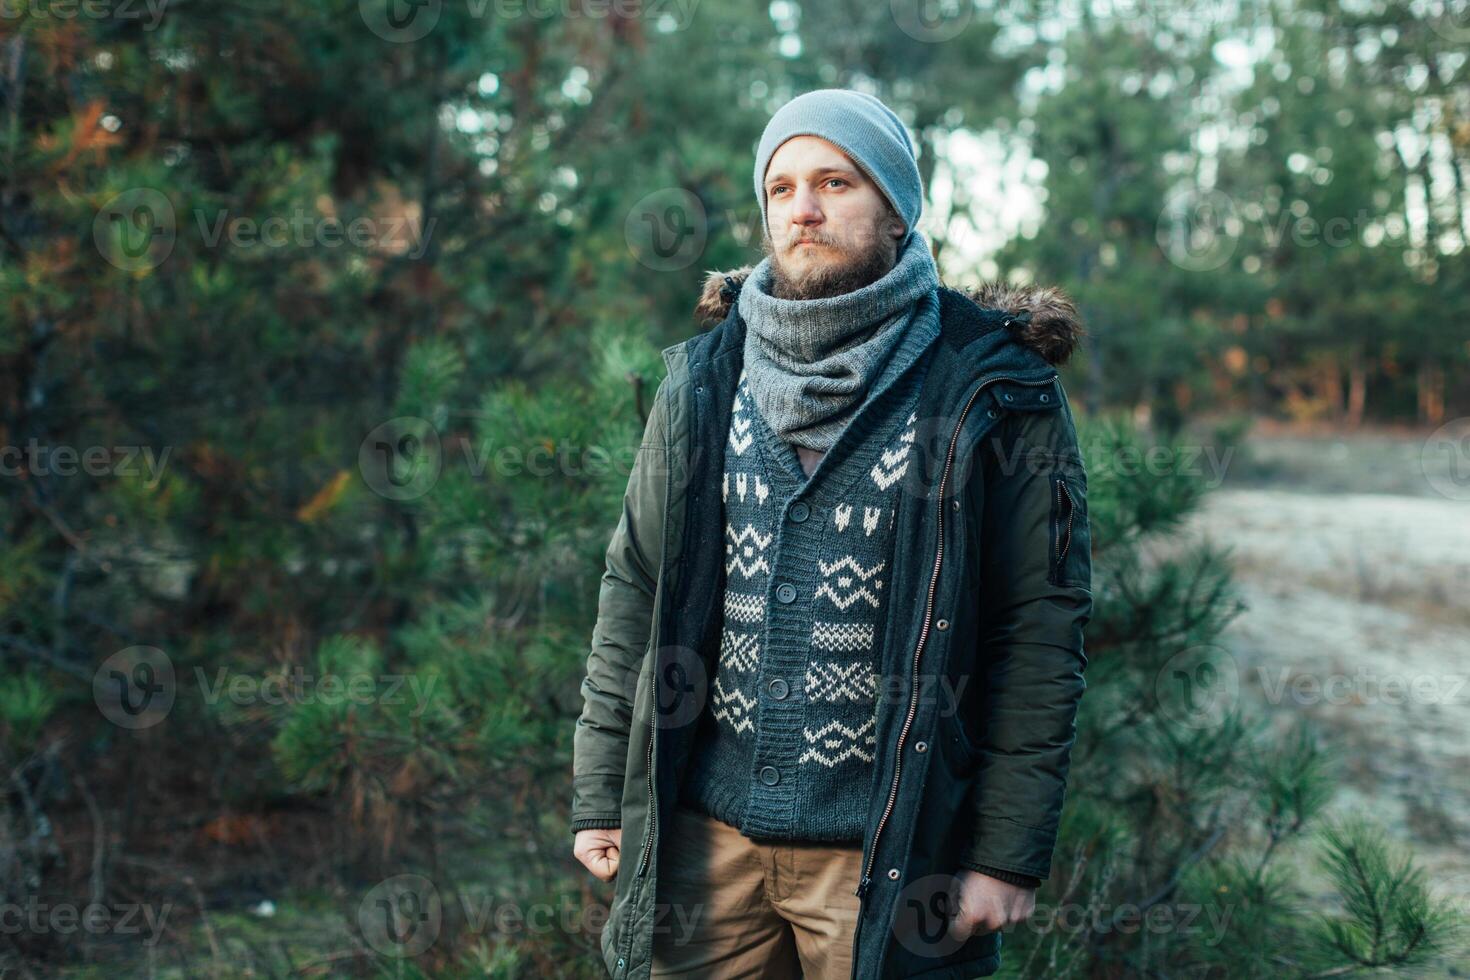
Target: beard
[[841, 272]]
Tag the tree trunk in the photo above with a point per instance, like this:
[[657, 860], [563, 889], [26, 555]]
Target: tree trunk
[[1330, 386], [1431, 381], [1357, 390]]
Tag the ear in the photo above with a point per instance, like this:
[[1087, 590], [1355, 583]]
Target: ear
[[894, 225]]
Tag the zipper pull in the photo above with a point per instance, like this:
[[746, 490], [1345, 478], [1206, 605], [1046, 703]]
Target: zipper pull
[[862, 888]]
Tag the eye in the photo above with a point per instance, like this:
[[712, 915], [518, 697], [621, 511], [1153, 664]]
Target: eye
[[777, 189], [838, 179]]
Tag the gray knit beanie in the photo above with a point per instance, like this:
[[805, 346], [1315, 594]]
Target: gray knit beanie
[[865, 129]]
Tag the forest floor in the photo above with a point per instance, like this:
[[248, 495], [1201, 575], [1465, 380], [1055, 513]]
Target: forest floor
[[1352, 554]]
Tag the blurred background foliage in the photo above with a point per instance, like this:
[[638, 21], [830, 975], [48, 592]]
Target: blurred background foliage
[[327, 330]]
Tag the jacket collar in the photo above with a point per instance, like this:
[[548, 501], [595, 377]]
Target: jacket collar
[[1042, 321]]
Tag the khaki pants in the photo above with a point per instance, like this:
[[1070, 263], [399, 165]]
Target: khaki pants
[[732, 907]]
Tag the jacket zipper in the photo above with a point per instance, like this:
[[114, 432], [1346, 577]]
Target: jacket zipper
[[652, 799], [867, 878], [1064, 543]]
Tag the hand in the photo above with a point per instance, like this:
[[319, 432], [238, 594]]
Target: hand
[[986, 904], [599, 850]]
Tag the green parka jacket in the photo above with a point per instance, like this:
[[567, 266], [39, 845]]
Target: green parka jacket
[[982, 669]]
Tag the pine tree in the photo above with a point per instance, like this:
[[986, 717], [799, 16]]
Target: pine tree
[[1189, 818]]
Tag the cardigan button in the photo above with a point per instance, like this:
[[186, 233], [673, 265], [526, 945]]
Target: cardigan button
[[893, 873], [770, 776], [800, 511], [921, 746], [779, 689], [786, 592]]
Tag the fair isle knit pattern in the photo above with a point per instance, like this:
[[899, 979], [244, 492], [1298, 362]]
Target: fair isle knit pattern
[[787, 740]]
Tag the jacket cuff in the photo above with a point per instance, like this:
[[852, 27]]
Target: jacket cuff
[[1009, 877], [597, 796], [1006, 845], [596, 822]]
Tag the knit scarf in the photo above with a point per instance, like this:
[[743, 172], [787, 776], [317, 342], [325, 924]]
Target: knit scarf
[[812, 364]]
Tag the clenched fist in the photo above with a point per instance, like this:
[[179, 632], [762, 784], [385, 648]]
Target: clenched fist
[[986, 904], [598, 850]]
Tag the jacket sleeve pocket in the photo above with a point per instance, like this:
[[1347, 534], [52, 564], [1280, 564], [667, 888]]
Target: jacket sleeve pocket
[[1070, 550]]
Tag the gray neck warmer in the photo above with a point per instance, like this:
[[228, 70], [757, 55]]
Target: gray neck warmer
[[812, 364]]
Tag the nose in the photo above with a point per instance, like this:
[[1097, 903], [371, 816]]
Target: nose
[[805, 213]]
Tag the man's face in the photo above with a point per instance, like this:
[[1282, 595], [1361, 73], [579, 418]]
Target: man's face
[[829, 228]]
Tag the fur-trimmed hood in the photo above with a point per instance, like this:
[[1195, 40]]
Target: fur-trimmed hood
[[1045, 318]]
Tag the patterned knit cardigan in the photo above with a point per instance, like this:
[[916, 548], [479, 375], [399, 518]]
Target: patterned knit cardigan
[[785, 745]]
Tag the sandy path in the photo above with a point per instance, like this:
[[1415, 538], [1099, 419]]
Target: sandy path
[[1359, 617]]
